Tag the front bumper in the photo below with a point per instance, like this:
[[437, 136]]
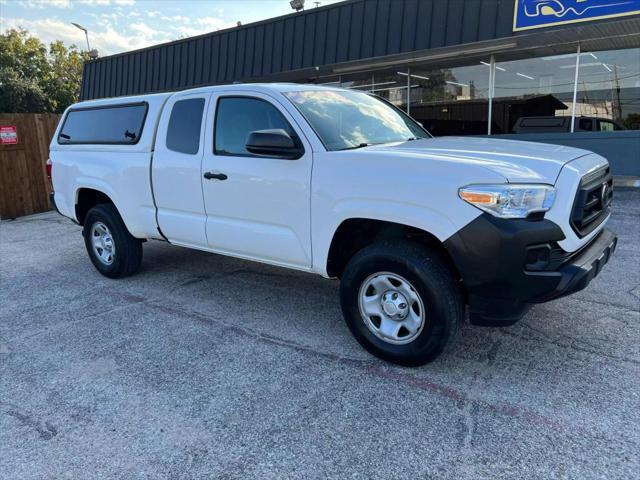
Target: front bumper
[[491, 255], [578, 272]]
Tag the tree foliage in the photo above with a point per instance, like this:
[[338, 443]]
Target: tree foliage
[[34, 79]]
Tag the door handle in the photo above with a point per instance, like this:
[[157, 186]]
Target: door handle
[[217, 176]]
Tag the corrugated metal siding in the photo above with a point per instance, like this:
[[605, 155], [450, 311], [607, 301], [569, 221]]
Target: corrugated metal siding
[[351, 30]]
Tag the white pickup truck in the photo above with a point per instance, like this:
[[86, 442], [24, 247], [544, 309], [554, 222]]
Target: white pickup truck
[[342, 184]]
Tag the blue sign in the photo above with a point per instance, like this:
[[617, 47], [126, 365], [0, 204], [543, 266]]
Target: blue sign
[[530, 14]]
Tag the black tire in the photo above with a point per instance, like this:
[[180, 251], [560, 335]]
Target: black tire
[[128, 249], [432, 279]]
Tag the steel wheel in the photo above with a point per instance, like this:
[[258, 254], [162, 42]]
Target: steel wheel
[[391, 308], [102, 243]]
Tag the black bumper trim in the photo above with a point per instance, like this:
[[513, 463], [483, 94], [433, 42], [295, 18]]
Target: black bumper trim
[[490, 255], [584, 267]]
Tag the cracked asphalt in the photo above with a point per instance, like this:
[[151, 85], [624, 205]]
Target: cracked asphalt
[[202, 366]]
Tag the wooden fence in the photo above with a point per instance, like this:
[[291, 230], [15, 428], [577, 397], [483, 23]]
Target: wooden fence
[[24, 187]]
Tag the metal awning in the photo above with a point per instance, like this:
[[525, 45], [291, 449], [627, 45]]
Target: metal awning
[[611, 35], [619, 34]]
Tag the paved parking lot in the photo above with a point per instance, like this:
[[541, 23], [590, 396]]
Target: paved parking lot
[[203, 366]]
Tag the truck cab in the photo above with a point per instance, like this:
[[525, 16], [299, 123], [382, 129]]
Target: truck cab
[[341, 184]]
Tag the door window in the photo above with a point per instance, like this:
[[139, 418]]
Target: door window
[[606, 126], [183, 132], [585, 124], [237, 117]]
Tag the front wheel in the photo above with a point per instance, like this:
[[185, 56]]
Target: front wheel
[[112, 249], [401, 302]]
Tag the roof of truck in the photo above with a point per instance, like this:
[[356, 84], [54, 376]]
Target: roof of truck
[[266, 87], [155, 103], [161, 97]]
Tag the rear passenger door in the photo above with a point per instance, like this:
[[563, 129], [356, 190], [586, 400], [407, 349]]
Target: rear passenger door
[[258, 207], [176, 168]]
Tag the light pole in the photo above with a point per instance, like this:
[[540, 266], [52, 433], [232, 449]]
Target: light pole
[[93, 54], [86, 34], [297, 5]]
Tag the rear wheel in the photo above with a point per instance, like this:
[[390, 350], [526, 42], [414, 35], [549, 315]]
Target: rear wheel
[[401, 302], [112, 249]]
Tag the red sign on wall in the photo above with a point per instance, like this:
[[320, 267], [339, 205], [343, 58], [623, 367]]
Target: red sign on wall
[[8, 135]]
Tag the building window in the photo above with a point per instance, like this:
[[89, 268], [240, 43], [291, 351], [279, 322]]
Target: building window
[[328, 81], [532, 95], [358, 81], [609, 89], [185, 123], [451, 101], [392, 86], [529, 94]]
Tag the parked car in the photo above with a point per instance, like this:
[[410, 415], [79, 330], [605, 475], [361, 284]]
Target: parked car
[[550, 124], [341, 184]]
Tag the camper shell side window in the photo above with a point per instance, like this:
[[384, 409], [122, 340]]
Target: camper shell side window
[[119, 124]]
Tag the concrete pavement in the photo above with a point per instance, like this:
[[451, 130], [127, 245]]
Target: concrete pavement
[[202, 366]]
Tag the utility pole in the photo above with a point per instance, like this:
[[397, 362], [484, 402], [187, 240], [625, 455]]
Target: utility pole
[[618, 105]]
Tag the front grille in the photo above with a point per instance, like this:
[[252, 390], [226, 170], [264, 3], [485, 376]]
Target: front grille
[[593, 201]]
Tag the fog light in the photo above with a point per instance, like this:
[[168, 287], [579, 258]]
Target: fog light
[[537, 257]]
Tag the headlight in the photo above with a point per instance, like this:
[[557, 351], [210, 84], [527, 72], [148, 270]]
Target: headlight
[[509, 200]]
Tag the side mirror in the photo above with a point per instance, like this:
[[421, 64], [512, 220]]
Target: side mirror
[[273, 143]]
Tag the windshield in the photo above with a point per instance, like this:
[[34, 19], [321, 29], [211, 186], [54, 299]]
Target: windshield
[[345, 120]]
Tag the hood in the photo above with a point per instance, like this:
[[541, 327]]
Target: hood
[[517, 161]]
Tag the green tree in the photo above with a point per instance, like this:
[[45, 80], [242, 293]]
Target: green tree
[[62, 85], [34, 79], [21, 95]]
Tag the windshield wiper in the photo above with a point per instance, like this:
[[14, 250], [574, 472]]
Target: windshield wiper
[[362, 145]]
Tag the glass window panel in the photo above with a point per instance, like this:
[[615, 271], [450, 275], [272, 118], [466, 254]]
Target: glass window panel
[[328, 81], [451, 101], [392, 86], [531, 93], [358, 81], [119, 124], [185, 123], [609, 89], [237, 117], [349, 119]]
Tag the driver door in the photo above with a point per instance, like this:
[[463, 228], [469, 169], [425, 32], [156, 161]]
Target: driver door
[[257, 207]]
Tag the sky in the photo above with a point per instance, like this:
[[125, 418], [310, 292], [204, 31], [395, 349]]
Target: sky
[[121, 25]]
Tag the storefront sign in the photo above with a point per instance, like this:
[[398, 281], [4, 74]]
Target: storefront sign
[[8, 135], [531, 14]]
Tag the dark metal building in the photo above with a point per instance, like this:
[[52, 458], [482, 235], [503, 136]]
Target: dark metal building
[[292, 46], [459, 66]]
